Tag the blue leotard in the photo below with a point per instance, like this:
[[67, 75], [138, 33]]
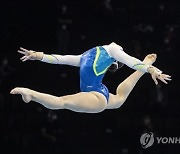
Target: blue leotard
[[93, 66]]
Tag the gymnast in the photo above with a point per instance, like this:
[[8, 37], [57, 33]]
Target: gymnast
[[94, 63]]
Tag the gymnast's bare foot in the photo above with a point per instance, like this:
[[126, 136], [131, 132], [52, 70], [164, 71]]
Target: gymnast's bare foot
[[150, 59], [25, 92]]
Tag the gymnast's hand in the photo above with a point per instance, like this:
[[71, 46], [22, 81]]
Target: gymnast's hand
[[30, 54], [157, 74]]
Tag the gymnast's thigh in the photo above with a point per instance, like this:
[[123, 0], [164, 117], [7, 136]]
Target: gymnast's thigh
[[89, 102]]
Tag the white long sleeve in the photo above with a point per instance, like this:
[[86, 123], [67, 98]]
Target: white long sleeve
[[62, 59], [118, 54]]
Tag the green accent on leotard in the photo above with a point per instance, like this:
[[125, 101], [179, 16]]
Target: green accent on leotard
[[105, 64]]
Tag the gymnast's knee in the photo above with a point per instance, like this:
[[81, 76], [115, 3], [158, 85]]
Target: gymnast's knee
[[64, 101]]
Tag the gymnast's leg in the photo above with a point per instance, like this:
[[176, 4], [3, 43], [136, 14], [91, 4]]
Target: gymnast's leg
[[91, 102], [124, 88]]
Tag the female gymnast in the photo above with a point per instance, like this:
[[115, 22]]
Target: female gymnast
[[94, 96]]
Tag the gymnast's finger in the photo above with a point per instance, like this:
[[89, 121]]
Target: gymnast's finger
[[162, 79], [22, 58], [25, 59], [167, 77], [24, 49], [155, 80], [22, 52]]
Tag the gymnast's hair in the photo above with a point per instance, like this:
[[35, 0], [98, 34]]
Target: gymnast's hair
[[115, 66]]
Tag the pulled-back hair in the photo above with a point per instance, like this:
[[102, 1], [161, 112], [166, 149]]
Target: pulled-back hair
[[115, 66]]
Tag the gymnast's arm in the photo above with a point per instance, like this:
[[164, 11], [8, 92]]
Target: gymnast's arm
[[118, 54], [73, 60]]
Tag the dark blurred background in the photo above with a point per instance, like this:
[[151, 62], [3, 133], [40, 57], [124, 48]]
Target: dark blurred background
[[72, 27]]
